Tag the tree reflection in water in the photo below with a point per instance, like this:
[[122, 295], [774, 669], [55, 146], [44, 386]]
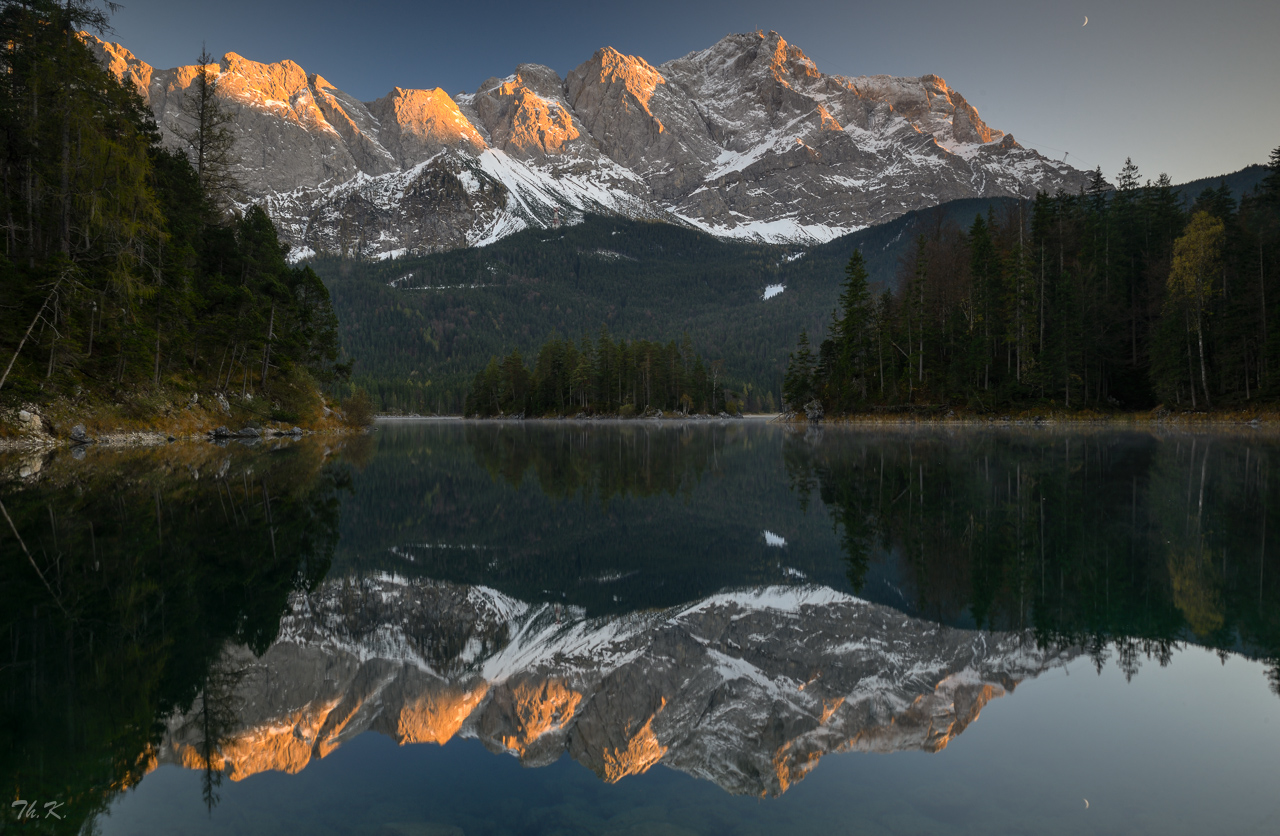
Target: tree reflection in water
[[1125, 543], [603, 591], [155, 560]]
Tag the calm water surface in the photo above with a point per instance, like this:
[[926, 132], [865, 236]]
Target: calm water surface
[[461, 628]]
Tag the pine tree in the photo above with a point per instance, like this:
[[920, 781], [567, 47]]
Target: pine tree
[[985, 268], [208, 135], [797, 385], [853, 331]]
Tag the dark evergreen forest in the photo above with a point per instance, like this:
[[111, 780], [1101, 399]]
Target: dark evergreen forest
[[421, 328], [1115, 298], [125, 278], [604, 377]]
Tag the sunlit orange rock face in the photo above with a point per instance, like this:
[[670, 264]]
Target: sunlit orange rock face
[[261, 750], [436, 717], [124, 65], [636, 76], [641, 752], [928, 723], [526, 115], [788, 60], [428, 710], [298, 130], [614, 96], [283, 136], [929, 103], [281, 90], [966, 125], [283, 743], [522, 712], [281, 87], [827, 121], [417, 123], [626, 106]]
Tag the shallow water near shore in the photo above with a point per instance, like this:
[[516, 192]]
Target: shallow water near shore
[[453, 627]]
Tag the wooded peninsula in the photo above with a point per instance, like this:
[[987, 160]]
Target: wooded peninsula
[[132, 284], [626, 378]]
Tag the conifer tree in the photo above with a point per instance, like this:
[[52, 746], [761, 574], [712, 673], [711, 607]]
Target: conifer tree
[[853, 330], [797, 385], [208, 136]]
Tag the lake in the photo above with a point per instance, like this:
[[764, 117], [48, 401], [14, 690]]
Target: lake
[[711, 627]]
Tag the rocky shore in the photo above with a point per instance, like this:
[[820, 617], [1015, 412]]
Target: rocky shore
[[65, 424]]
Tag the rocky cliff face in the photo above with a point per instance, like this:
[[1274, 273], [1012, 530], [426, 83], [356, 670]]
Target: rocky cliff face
[[744, 139], [746, 689]]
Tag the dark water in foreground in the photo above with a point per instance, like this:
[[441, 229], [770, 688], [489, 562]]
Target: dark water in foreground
[[634, 629]]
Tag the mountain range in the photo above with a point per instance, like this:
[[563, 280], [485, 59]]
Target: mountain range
[[745, 139]]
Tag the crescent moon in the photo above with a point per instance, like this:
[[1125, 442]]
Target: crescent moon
[[1086, 804], [1086, 21]]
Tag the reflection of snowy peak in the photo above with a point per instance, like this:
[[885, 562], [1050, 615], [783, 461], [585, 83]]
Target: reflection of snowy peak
[[747, 689], [745, 139]]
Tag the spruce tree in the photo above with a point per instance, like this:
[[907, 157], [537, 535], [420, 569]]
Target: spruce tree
[[797, 385], [853, 331], [207, 133]]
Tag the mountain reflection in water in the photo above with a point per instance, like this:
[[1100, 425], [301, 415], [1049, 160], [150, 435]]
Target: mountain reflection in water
[[729, 599], [748, 689]]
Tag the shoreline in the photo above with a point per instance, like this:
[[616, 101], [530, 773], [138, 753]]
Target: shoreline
[[142, 438], [41, 435], [1143, 421], [24, 466], [62, 424]]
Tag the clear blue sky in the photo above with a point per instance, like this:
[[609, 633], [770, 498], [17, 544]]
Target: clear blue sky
[[1185, 87]]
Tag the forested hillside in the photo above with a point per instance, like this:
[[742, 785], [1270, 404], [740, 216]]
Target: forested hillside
[[1113, 298], [421, 328], [127, 283], [1239, 183]]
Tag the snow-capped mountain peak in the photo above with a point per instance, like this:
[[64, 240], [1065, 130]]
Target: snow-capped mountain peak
[[744, 139]]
